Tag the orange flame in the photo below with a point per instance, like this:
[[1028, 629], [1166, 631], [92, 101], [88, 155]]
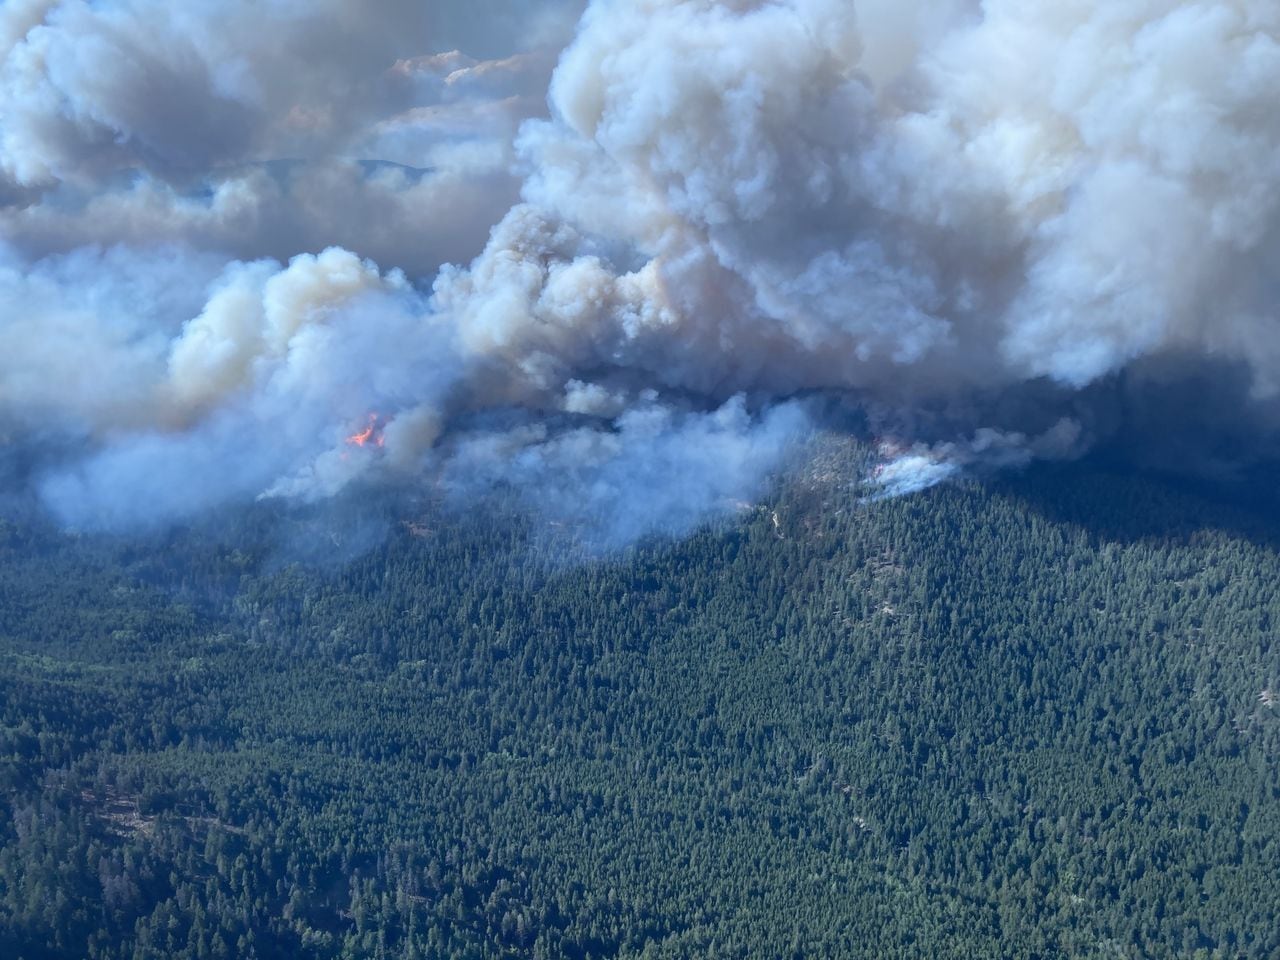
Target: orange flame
[[371, 434]]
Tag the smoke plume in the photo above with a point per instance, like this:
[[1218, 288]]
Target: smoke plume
[[620, 258]]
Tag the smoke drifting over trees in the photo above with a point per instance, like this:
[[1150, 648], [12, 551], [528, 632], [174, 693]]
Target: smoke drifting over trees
[[234, 232]]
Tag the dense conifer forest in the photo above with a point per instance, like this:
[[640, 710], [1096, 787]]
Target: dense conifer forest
[[1029, 717]]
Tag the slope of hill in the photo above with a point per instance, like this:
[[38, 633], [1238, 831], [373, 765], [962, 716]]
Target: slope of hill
[[1028, 718]]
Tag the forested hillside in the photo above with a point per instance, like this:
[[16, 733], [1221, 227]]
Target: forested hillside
[[1028, 718]]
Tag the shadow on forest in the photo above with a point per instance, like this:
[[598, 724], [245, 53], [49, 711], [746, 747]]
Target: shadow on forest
[[1116, 501]]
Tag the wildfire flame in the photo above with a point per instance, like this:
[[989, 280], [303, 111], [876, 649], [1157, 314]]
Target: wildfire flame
[[371, 435]]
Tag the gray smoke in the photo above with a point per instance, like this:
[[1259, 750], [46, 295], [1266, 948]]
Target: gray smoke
[[265, 129], [968, 220]]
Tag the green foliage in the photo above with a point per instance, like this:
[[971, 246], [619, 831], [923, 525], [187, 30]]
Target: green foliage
[[1029, 719]]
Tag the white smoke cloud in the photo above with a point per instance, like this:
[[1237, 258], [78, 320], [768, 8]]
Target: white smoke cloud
[[657, 470], [920, 466], [913, 207], [259, 392]]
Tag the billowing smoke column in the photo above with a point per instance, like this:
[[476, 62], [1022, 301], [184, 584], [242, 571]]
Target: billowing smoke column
[[969, 221]]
